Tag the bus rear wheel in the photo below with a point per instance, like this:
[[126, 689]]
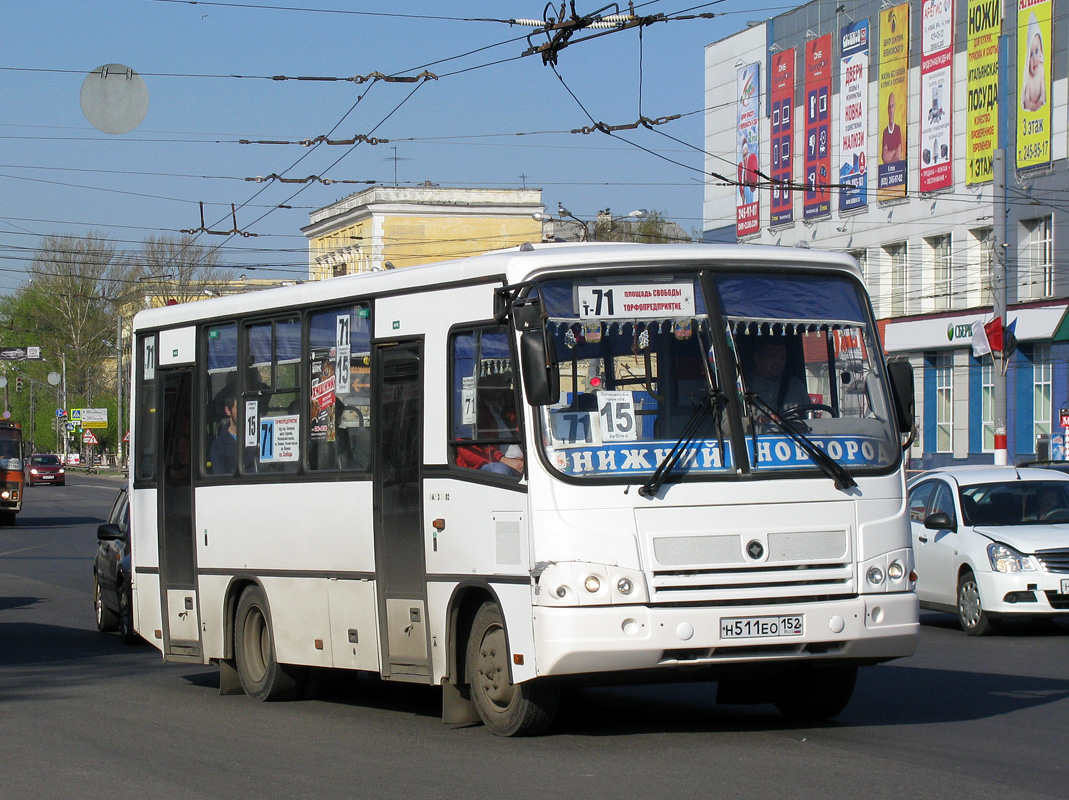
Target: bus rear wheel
[[262, 677], [506, 708], [815, 692]]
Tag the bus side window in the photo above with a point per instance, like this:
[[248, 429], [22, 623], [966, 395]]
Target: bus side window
[[484, 432], [271, 393], [219, 429], [339, 431]]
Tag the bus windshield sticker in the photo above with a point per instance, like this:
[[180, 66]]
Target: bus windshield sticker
[[621, 458], [616, 413], [636, 301], [252, 423], [467, 400], [573, 428], [780, 452], [342, 359], [280, 439]]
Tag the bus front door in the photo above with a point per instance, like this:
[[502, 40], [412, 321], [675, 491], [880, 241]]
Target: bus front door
[[178, 586], [402, 592]]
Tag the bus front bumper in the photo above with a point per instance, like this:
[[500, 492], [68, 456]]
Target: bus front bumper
[[864, 629]]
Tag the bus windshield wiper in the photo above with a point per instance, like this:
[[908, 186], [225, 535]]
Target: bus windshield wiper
[[832, 468], [711, 399]]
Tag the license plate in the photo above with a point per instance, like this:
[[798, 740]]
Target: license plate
[[1065, 585], [757, 627]]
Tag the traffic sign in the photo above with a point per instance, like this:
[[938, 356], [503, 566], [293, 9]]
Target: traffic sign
[[89, 438], [61, 412]]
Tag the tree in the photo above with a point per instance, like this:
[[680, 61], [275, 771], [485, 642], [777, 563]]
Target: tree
[[65, 307], [654, 228], [177, 268]]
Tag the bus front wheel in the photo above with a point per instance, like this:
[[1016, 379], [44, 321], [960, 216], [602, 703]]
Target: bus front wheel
[[506, 708], [815, 692], [262, 677]]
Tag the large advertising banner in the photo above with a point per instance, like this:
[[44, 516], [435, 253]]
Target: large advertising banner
[[781, 209], [981, 103], [937, 94], [1034, 51], [894, 100], [817, 202], [747, 206], [853, 115]]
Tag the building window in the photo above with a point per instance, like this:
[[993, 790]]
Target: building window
[[1038, 262], [944, 402], [940, 246], [896, 253], [980, 257], [987, 405], [1041, 392]]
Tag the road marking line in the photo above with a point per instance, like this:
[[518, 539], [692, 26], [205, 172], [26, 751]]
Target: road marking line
[[25, 549]]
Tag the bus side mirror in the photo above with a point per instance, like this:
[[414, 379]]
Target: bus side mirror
[[538, 363], [901, 373]]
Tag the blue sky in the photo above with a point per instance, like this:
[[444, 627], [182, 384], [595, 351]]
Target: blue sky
[[58, 175]]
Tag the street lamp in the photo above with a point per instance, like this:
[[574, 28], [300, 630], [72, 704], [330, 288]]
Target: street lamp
[[588, 231]]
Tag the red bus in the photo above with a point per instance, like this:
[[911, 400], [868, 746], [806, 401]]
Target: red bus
[[11, 474]]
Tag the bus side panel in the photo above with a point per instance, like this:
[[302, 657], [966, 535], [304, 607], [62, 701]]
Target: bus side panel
[[515, 600], [300, 620], [144, 536], [317, 527], [484, 533], [148, 617], [321, 529], [354, 632]]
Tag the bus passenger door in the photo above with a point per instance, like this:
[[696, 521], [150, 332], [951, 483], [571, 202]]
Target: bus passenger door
[[399, 558], [181, 626]]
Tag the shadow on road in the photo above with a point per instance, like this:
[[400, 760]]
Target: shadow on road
[[16, 602]]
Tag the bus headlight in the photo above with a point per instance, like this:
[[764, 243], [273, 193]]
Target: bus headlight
[[875, 576], [5, 495], [559, 584]]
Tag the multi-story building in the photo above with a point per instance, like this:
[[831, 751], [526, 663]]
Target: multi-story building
[[873, 128], [393, 226]]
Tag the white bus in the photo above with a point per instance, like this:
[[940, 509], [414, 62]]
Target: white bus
[[551, 464]]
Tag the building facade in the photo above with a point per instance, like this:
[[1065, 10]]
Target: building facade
[[929, 140], [400, 227]]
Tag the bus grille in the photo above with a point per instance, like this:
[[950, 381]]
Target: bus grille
[[1054, 560], [778, 567]]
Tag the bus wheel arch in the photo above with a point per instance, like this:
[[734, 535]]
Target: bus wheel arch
[[261, 675], [506, 708]]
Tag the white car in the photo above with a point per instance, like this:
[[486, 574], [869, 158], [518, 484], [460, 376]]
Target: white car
[[991, 542]]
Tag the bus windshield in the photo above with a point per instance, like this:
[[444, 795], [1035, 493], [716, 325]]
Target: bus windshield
[[638, 361]]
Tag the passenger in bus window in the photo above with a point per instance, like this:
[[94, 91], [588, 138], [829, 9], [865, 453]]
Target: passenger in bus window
[[769, 378], [495, 419], [224, 449]]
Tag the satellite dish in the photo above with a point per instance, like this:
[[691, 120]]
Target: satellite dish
[[114, 99]]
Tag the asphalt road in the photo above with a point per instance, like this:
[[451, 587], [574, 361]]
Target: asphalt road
[[83, 716]]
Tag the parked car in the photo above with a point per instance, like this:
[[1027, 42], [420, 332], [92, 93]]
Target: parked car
[[45, 468], [991, 542], [112, 590]]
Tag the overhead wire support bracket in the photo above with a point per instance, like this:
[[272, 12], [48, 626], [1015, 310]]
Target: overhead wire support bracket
[[372, 140], [310, 179], [559, 31], [204, 229], [644, 122]]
